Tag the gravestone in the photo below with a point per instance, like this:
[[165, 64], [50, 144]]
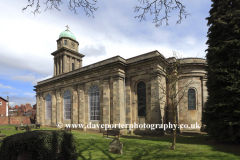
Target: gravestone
[[116, 146]]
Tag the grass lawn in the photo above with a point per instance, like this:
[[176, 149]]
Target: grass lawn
[[92, 146]]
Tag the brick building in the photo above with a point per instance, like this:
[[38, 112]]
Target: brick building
[[3, 107], [116, 90]]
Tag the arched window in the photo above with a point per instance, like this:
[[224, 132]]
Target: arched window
[[191, 99], [67, 104], [48, 107], [141, 95], [94, 103]]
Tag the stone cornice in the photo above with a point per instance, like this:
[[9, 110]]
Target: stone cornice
[[150, 55], [69, 50], [114, 60]]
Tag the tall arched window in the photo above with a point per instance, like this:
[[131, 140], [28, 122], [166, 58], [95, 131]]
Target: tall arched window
[[67, 104], [94, 103], [141, 95], [48, 107], [191, 99]]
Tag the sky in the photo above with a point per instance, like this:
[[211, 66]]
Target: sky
[[27, 40]]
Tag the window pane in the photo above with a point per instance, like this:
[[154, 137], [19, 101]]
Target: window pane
[[191, 99], [48, 107], [141, 94], [67, 104], [94, 104]]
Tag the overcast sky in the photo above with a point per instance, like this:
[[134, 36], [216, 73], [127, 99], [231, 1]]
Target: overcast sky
[[27, 41]]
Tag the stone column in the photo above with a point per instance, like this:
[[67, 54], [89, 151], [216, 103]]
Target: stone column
[[111, 100], [80, 63], [57, 59], [118, 100], [134, 102], [162, 98], [81, 104], [75, 63], [54, 105], [106, 102], [64, 63], [70, 64], [59, 106], [60, 58], [75, 105], [55, 66]]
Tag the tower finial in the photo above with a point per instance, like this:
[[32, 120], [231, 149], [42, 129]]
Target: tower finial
[[67, 28]]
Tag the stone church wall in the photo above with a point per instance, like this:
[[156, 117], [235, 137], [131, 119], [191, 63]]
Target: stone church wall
[[117, 81]]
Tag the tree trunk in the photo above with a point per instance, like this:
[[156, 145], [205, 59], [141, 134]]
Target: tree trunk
[[174, 132]]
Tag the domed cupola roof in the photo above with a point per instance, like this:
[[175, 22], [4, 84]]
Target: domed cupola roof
[[68, 34]]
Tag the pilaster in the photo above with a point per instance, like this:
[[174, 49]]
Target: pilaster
[[41, 109], [106, 102], [154, 108], [54, 105], [57, 58], [75, 105], [70, 64], [55, 66], [59, 106], [60, 58], [75, 63], [118, 100], [64, 63], [80, 63], [38, 108], [81, 106], [128, 101]]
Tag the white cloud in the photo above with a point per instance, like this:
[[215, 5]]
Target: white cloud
[[18, 100], [30, 78], [93, 50], [7, 93], [30, 94], [3, 86]]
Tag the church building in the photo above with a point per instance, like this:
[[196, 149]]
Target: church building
[[118, 90]]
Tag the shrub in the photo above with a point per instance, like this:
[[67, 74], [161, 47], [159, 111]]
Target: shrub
[[47, 145]]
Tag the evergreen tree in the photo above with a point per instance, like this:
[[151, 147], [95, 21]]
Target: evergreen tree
[[222, 112]]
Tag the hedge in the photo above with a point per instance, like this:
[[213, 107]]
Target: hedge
[[40, 145]]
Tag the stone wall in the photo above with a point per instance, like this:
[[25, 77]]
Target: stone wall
[[117, 81], [5, 120]]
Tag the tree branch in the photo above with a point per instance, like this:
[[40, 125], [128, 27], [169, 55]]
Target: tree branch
[[156, 6], [87, 5]]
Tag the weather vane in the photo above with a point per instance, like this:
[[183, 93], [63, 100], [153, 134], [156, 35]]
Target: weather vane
[[67, 28]]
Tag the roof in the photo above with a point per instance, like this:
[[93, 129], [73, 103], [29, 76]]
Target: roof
[[67, 33], [3, 99]]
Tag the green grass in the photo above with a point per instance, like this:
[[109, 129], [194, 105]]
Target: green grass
[[92, 146]]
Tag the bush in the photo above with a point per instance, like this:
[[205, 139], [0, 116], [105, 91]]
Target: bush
[[47, 145]]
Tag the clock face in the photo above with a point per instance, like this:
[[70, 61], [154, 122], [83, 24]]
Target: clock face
[[72, 44]]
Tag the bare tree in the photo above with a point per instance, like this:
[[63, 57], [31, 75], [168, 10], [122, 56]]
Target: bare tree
[[153, 7], [172, 94]]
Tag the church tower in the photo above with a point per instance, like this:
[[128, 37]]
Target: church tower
[[66, 57]]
